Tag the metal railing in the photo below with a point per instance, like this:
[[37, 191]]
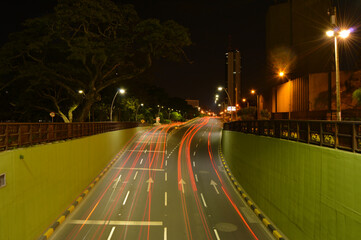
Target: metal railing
[[13, 135], [344, 135]]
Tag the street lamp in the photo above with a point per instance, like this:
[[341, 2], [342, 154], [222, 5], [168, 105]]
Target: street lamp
[[84, 96], [254, 92], [282, 74], [245, 101], [342, 33], [136, 113], [120, 91], [229, 99]]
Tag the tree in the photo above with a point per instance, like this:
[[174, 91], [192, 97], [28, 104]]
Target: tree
[[86, 45], [357, 96]]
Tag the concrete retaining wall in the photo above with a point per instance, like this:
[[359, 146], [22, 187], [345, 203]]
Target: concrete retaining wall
[[41, 181], [309, 192]]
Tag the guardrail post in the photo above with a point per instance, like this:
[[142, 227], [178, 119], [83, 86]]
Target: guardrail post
[[321, 134], [308, 132], [19, 135], [298, 131], [336, 134], [354, 142]]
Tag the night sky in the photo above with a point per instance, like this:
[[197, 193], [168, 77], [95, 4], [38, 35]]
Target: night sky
[[214, 26]]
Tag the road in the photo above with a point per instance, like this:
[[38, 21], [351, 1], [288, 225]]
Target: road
[[168, 183]]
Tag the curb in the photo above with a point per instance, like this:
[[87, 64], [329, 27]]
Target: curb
[[259, 214], [46, 235]]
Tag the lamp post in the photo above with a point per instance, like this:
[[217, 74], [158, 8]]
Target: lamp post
[[120, 91], [84, 96], [136, 113], [342, 33], [282, 74], [229, 99], [245, 101], [254, 92]]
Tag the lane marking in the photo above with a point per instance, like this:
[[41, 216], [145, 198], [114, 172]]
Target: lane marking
[[126, 197], [149, 181], [141, 161], [117, 181], [216, 233], [135, 176], [111, 233], [165, 233], [194, 163], [214, 184], [194, 153], [197, 145], [165, 176], [143, 169], [117, 223], [166, 162], [165, 198], [182, 182], [196, 177], [204, 201]]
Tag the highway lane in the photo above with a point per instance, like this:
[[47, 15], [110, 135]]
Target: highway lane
[[168, 183]]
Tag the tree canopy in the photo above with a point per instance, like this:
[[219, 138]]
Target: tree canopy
[[87, 45]]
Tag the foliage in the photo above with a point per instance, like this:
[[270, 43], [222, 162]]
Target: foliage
[[175, 116], [357, 96], [265, 114], [247, 113], [86, 44]]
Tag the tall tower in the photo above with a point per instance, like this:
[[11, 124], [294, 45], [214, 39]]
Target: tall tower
[[233, 76]]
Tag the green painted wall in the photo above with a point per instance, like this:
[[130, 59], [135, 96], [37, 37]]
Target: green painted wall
[[49, 178], [309, 192]]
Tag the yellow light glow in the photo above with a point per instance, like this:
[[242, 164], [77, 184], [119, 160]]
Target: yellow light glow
[[330, 33], [345, 33], [121, 91], [81, 91], [281, 74], [244, 100], [253, 91]]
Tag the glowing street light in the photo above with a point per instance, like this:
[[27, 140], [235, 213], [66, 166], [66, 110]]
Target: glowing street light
[[120, 91], [254, 92], [342, 33], [229, 99], [282, 74], [136, 113], [330, 33]]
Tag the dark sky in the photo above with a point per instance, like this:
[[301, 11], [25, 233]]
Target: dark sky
[[211, 23], [214, 25]]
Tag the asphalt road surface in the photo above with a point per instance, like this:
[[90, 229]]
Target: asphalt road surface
[[169, 183]]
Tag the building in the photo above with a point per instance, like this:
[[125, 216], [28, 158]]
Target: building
[[296, 43], [233, 76], [193, 103]]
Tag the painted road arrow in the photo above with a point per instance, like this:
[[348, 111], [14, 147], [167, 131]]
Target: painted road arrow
[[214, 184], [182, 182], [149, 181]]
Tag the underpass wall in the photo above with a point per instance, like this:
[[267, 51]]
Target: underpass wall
[[309, 192], [41, 181]]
